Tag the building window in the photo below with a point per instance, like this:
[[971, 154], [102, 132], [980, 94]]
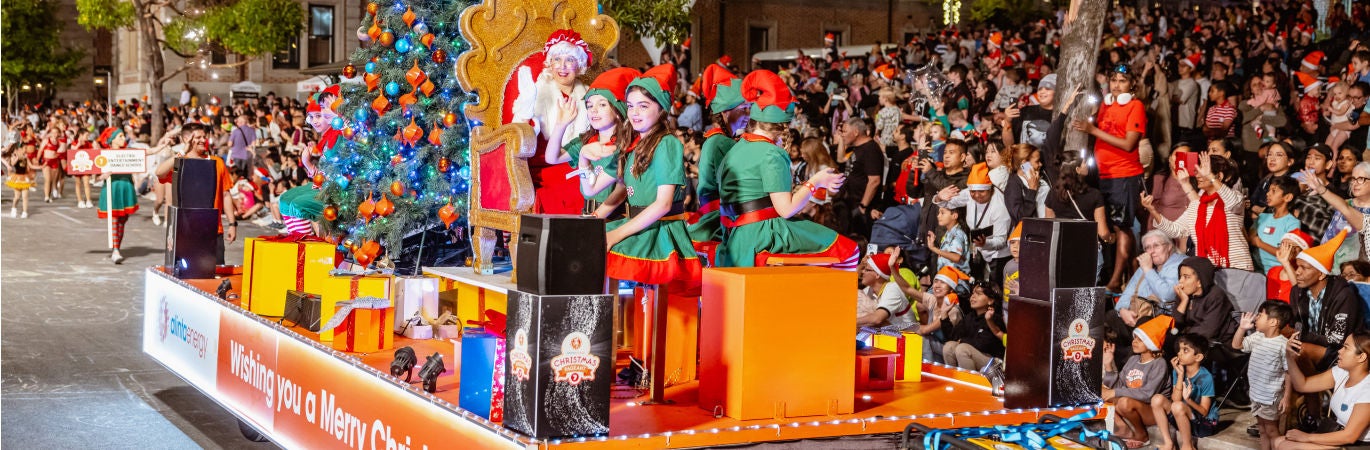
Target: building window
[[320, 35], [758, 40], [287, 58]]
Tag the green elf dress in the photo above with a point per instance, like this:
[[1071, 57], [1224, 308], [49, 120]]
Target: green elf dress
[[611, 85], [661, 253], [125, 198], [722, 91], [752, 170]]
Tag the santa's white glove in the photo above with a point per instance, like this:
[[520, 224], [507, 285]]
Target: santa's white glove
[[523, 109]]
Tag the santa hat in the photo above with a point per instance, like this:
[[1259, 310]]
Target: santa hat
[[951, 276], [996, 39], [1273, 28], [685, 45], [771, 99], [1122, 41], [612, 85], [659, 82], [312, 106], [885, 72], [1309, 82], [1306, 30], [572, 38], [1147, 39], [720, 89], [1017, 233], [1016, 42], [1313, 59], [829, 38], [978, 180], [1193, 60], [1152, 333], [1299, 238], [881, 263], [1322, 256], [725, 60]]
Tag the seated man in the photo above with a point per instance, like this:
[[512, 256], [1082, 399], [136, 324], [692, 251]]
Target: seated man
[[891, 308], [1149, 292]]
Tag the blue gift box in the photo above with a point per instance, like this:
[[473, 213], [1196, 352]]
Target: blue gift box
[[482, 374]]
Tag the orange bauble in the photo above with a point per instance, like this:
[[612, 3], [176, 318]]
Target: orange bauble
[[449, 119], [427, 87], [444, 165], [373, 81], [427, 40], [395, 160], [385, 206], [435, 137], [318, 179], [330, 213], [387, 38], [380, 104], [412, 132], [415, 75], [408, 99], [349, 71], [371, 8], [409, 17], [367, 209], [374, 32], [448, 214], [348, 133], [397, 188]]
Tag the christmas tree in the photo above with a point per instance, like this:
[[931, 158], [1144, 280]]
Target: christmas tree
[[402, 166]]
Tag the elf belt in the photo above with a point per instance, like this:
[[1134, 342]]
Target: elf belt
[[708, 205], [677, 209], [738, 214]]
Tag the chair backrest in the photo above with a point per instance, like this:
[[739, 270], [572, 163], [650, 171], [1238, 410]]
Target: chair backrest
[[1245, 289]]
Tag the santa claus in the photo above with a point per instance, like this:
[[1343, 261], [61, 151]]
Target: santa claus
[[565, 58]]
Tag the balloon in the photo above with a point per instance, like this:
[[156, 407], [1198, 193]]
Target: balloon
[[928, 83]]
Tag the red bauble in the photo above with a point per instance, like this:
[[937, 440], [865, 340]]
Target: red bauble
[[349, 71], [439, 56], [444, 165]]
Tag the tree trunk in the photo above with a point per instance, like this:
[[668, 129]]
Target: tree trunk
[[154, 64], [1079, 58]]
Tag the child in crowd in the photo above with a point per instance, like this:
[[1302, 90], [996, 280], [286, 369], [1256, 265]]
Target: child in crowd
[[1143, 376], [953, 249], [1279, 280], [1269, 389], [1011, 267], [1279, 162], [1189, 407], [941, 299], [1270, 226], [1339, 112], [1310, 103], [1218, 121], [1265, 93], [978, 337]]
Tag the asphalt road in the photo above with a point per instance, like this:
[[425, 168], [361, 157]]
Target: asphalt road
[[74, 374]]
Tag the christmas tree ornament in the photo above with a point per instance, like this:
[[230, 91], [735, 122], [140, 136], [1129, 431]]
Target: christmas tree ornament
[[444, 164], [380, 104], [426, 39], [330, 213], [406, 100], [402, 45], [372, 81], [316, 152], [439, 56], [370, 67], [412, 133], [435, 137], [427, 87], [337, 102], [371, 8], [337, 123], [343, 182], [409, 17], [449, 119], [385, 207], [349, 71], [397, 188], [367, 252], [448, 214], [392, 89], [360, 115], [396, 160], [387, 38], [318, 179], [415, 75], [361, 34], [374, 32], [348, 132], [420, 28], [367, 209]]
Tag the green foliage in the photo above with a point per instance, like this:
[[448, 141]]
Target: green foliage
[[363, 167], [667, 21], [104, 14], [184, 35], [32, 42], [255, 27]]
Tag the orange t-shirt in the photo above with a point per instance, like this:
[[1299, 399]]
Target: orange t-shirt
[[1118, 120], [224, 183]]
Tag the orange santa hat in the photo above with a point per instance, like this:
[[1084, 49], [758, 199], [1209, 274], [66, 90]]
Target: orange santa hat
[[978, 180], [1322, 256], [1152, 333]]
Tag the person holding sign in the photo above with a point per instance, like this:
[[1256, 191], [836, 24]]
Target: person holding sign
[[119, 198]]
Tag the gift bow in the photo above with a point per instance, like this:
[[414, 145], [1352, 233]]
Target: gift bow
[[293, 237], [495, 322], [349, 305]]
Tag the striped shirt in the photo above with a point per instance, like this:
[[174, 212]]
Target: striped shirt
[[1265, 369], [1220, 113], [1183, 227]]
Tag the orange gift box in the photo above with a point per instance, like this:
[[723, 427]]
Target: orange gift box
[[342, 288], [365, 330], [777, 342]]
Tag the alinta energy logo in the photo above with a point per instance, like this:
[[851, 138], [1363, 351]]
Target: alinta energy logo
[[175, 326]]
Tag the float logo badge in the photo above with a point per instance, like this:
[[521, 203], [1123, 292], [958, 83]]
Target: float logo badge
[[174, 326], [1077, 346], [575, 363], [519, 360]]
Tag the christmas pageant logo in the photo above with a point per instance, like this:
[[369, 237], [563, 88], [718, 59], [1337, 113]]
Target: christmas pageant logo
[[575, 363], [519, 361], [1077, 346]]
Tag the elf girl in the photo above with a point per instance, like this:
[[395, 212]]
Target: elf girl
[[118, 197], [722, 93], [651, 245], [755, 189], [593, 155], [20, 179]]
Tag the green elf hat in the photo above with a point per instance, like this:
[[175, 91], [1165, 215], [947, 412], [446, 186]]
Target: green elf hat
[[720, 89], [771, 99], [612, 84], [659, 82]]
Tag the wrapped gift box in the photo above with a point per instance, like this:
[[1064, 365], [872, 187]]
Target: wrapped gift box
[[909, 347], [342, 288], [272, 266], [482, 373], [302, 310], [414, 296], [559, 368], [470, 302], [364, 330]]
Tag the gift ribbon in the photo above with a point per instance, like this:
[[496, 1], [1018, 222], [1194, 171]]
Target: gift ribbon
[[1033, 436], [495, 322], [349, 305]]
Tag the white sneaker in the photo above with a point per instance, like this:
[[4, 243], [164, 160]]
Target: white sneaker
[[14, 212], [85, 204], [56, 194], [25, 215], [116, 257], [156, 220]]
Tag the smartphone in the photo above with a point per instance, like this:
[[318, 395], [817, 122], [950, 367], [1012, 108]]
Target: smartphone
[[1026, 167], [1186, 161]]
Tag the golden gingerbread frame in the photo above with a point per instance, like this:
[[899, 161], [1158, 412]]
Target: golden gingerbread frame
[[502, 34]]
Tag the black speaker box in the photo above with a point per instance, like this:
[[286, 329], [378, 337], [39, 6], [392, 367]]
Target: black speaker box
[[190, 241], [302, 309], [194, 183], [1056, 253], [559, 365], [1068, 332], [560, 255]]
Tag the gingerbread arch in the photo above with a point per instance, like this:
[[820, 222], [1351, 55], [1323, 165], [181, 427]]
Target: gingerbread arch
[[505, 35]]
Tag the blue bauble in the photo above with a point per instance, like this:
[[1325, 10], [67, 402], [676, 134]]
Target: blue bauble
[[338, 123], [360, 115], [343, 182], [342, 248], [392, 89], [402, 45], [464, 172], [370, 67]]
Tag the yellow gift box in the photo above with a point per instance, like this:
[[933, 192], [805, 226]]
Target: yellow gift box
[[343, 288], [909, 346], [272, 266], [471, 301]]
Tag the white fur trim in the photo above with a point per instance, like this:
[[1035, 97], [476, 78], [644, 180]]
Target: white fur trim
[[1314, 263]]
